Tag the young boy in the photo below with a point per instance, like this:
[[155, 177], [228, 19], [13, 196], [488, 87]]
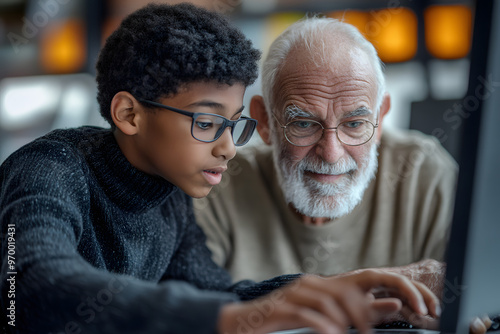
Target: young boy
[[98, 234]]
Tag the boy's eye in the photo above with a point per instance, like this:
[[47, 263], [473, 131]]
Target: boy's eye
[[204, 125]]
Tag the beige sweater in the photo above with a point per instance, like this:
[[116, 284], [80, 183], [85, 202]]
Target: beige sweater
[[403, 218]]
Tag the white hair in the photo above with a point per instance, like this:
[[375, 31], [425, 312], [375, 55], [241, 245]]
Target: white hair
[[314, 34]]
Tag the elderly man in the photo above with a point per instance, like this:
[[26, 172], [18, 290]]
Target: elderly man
[[330, 192]]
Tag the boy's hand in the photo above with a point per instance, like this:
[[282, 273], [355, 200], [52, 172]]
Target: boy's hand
[[328, 305], [311, 301]]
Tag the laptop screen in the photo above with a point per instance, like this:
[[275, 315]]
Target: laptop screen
[[473, 274]]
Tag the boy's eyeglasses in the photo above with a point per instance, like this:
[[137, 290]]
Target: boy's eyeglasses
[[208, 128]]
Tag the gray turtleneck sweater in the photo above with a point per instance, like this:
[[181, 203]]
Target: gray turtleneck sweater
[[101, 247]]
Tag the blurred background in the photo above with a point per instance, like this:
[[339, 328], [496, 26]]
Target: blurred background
[[48, 50]]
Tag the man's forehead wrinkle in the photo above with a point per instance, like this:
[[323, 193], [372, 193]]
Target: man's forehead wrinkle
[[300, 78], [314, 85], [324, 86], [318, 95], [323, 75]]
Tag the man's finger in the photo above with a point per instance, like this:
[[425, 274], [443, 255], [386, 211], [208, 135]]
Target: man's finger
[[430, 299], [479, 325], [420, 321], [404, 287], [384, 308]]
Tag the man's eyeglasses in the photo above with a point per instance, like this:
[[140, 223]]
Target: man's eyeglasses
[[208, 128], [305, 132]]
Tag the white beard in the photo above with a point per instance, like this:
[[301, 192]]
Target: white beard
[[315, 199]]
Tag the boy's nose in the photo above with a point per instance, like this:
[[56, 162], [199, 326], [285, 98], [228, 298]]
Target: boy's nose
[[224, 145]]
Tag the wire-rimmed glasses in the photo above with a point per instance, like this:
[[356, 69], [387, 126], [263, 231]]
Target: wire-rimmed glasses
[[307, 132], [208, 128]]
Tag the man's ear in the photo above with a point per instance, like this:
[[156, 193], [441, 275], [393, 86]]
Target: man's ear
[[384, 109], [125, 112], [258, 111]]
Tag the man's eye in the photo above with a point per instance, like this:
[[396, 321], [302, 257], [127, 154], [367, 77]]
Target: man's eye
[[354, 124], [302, 124]]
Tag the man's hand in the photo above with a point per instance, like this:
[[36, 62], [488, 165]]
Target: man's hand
[[328, 305], [432, 274], [480, 325], [429, 272]]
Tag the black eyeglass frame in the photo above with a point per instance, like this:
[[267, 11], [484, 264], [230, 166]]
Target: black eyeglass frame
[[194, 115], [375, 126]]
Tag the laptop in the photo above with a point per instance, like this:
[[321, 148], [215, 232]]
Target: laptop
[[473, 256], [472, 286]]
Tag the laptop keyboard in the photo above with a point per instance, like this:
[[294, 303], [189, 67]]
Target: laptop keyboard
[[495, 325], [396, 325]]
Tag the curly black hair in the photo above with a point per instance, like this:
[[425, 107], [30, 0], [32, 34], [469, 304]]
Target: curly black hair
[[159, 48]]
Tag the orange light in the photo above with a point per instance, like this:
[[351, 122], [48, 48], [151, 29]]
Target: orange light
[[448, 31], [356, 18], [63, 47], [393, 32]]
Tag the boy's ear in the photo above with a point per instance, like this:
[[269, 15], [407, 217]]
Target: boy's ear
[[125, 112], [258, 111]]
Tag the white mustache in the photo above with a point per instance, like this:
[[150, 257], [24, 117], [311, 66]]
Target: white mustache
[[345, 166]]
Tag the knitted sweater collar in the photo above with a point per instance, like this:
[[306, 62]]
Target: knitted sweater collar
[[129, 188]]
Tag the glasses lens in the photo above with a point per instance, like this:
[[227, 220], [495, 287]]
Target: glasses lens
[[207, 127], [303, 132], [355, 132], [243, 131]]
